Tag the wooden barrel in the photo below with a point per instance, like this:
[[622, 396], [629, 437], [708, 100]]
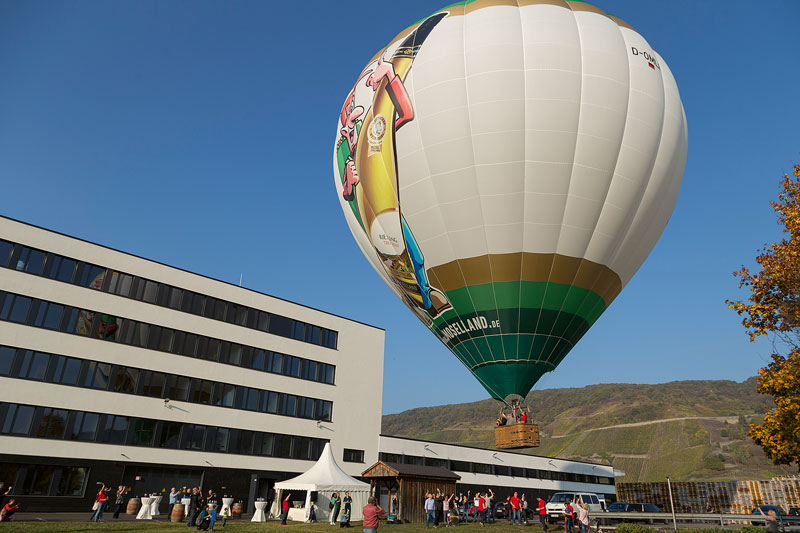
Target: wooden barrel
[[177, 513], [236, 510], [133, 506], [516, 436]]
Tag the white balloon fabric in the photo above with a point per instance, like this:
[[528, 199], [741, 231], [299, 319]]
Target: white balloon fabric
[[506, 167]]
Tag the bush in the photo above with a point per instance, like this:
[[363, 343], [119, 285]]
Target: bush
[[633, 528]]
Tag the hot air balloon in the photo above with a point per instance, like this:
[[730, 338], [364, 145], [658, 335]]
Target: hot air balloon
[[506, 166]]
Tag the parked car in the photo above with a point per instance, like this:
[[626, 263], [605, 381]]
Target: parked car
[[767, 508], [624, 507], [555, 507], [793, 511]]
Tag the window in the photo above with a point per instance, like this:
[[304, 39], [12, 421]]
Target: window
[[170, 435], [19, 309], [154, 385], [271, 402], [517, 471], [391, 457], [258, 360], [92, 277], [293, 366], [303, 448], [432, 461], [250, 399], [267, 445], [280, 325], [126, 380], [219, 441], [53, 423], [201, 391], [353, 456], [277, 363], [98, 375], [324, 409], [64, 271], [193, 436], [142, 432], [480, 468], [52, 317], [224, 394], [283, 446], [34, 365], [413, 460], [84, 426], [5, 252], [38, 479], [500, 470], [73, 481], [115, 429], [6, 357], [460, 466], [288, 404], [180, 390], [18, 420], [67, 370]]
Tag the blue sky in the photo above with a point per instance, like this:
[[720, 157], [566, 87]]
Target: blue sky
[[200, 134]]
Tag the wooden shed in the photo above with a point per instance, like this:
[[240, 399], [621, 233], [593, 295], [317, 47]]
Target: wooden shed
[[411, 482]]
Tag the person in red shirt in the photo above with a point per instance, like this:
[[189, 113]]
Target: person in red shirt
[[481, 510], [514, 501], [285, 508], [542, 509], [99, 504], [372, 511], [7, 514], [523, 417]]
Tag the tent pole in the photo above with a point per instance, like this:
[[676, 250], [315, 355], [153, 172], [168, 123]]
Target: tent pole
[[308, 506]]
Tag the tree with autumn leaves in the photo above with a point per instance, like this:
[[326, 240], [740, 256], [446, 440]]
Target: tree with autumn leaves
[[773, 309]]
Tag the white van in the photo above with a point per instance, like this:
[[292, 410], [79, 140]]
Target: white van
[[555, 507]]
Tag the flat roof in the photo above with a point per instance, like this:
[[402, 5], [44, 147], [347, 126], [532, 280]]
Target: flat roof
[[189, 271]]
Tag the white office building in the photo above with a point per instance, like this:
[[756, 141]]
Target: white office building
[[122, 370]]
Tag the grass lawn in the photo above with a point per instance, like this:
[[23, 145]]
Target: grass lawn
[[239, 526]]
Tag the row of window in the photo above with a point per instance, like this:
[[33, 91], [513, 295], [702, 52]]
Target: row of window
[[60, 268], [45, 480], [53, 368], [498, 470], [54, 423], [68, 319]]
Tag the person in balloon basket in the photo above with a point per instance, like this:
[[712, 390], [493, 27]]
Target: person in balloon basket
[[372, 512], [541, 510]]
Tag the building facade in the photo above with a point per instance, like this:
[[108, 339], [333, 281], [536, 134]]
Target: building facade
[[119, 370], [502, 471]]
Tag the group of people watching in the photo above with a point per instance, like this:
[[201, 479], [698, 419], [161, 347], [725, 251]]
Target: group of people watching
[[518, 415], [441, 508], [343, 505]]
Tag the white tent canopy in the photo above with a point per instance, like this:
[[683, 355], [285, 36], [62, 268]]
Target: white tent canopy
[[324, 478]]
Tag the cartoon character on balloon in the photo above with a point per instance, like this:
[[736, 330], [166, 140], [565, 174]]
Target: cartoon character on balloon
[[367, 167]]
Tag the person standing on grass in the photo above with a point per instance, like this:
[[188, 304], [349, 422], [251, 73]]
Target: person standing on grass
[[430, 510], [372, 511], [542, 510], [515, 507], [173, 499], [119, 501], [569, 517], [285, 508], [347, 505], [336, 506], [583, 515], [99, 505]]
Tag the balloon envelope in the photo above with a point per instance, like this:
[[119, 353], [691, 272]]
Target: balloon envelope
[[506, 167]]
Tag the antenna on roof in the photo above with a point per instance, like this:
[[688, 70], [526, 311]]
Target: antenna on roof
[[240, 279]]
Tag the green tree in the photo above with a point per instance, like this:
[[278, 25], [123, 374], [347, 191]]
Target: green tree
[[774, 309]]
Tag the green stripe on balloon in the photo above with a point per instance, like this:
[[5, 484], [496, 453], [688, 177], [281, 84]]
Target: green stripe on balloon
[[528, 294]]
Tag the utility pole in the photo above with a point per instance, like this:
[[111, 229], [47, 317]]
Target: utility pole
[[672, 505]]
